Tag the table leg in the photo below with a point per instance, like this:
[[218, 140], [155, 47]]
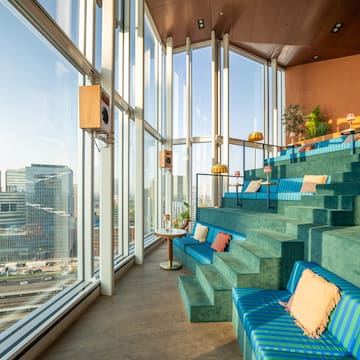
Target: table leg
[[170, 252]]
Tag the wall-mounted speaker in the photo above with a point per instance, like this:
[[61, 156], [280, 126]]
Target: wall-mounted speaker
[[94, 109], [166, 159]]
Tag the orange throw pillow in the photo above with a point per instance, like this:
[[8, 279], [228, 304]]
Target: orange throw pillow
[[220, 242], [310, 182], [312, 303]]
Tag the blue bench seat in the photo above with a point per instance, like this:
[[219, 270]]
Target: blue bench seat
[[266, 331], [191, 252]]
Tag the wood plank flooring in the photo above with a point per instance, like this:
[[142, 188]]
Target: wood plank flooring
[[145, 319]]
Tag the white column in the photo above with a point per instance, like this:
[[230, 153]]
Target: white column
[[214, 107], [86, 158], [126, 129], [226, 101], [106, 238], [139, 131], [168, 122], [188, 121], [274, 100]]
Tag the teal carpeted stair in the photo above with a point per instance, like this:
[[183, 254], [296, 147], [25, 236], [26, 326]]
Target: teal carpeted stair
[[323, 228]]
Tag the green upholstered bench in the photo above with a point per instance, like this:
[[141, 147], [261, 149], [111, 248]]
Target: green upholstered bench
[[266, 331]]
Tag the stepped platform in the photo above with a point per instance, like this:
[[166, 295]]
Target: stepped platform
[[323, 228]]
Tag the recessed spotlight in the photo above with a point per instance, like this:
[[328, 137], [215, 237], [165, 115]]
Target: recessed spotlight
[[201, 23], [336, 28], [316, 57]]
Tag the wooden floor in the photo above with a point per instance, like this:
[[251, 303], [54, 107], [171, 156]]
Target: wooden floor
[[145, 319]]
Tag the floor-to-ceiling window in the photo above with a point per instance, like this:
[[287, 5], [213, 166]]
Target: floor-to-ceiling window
[[39, 168]]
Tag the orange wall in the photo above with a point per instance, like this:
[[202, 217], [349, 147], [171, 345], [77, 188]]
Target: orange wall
[[332, 84]]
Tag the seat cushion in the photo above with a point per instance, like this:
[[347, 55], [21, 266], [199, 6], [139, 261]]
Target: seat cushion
[[269, 327], [181, 243], [203, 253]]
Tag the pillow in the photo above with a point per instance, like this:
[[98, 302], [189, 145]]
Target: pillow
[[306, 148], [220, 242], [310, 181], [312, 303], [200, 232], [254, 186]]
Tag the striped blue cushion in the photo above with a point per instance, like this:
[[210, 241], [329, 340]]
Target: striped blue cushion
[[269, 327], [278, 355]]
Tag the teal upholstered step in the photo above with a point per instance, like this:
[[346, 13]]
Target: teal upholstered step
[[349, 188], [216, 287], [348, 176], [338, 249], [335, 217], [198, 305], [328, 201], [271, 241], [240, 273]]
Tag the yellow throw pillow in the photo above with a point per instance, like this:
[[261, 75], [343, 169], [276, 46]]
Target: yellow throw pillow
[[200, 232], [310, 182], [253, 186], [312, 303]]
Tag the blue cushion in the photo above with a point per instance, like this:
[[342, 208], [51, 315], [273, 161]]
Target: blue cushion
[[182, 242], [202, 254]]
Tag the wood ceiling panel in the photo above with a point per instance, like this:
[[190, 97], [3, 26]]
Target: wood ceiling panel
[[294, 30]]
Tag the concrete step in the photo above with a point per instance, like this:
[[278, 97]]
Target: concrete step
[[341, 177], [198, 306]]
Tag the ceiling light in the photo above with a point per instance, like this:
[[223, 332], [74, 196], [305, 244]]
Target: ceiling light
[[201, 23], [336, 28]]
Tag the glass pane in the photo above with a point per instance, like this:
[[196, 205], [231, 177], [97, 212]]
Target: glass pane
[[38, 219], [96, 218], [201, 161], [150, 183], [150, 83], [180, 194], [66, 15], [118, 175], [98, 37], [132, 161], [179, 95], [132, 53], [201, 92], [246, 108], [118, 72]]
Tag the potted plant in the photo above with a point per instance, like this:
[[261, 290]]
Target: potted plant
[[183, 218], [294, 120], [315, 124]]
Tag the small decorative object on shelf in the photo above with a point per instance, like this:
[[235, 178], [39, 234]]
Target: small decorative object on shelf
[[350, 117], [167, 222], [267, 171], [237, 173]]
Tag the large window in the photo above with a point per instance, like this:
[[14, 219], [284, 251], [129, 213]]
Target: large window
[[201, 92], [150, 183], [246, 109], [66, 15], [38, 97], [179, 96], [150, 76]]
